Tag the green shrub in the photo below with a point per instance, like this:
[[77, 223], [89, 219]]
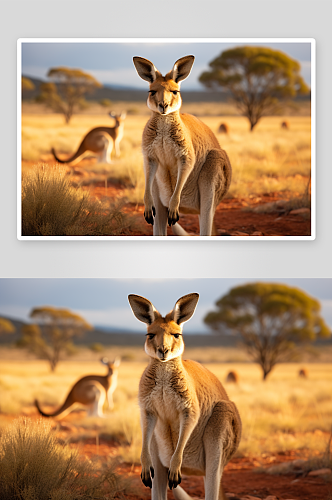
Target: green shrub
[[106, 103], [34, 466], [51, 206], [97, 347]]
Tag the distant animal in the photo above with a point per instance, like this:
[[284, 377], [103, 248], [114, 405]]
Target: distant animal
[[100, 141], [232, 377], [303, 373], [90, 391], [285, 125], [189, 425], [185, 168], [223, 128]]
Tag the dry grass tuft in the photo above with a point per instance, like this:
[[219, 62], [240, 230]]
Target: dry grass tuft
[[34, 466], [51, 206]]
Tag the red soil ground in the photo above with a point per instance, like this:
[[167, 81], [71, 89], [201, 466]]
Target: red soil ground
[[240, 476], [231, 218]]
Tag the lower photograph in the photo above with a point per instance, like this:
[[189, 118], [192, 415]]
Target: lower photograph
[[165, 388]]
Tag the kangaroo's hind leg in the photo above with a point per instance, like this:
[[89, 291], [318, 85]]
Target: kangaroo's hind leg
[[105, 149], [221, 439], [213, 183], [160, 220], [159, 480]]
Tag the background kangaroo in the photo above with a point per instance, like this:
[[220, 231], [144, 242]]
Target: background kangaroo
[[100, 141], [185, 168], [188, 423], [90, 391]]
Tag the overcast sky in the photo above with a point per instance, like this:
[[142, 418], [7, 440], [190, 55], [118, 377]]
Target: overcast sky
[[103, 302], [111, 63]]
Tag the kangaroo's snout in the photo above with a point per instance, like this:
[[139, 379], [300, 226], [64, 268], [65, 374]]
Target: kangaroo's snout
[[163, 108], [162, 351]]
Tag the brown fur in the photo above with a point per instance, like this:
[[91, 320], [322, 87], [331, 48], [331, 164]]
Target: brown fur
[[90, 391], [303, 373], [223, 128], [285, 125], [189, 424], [232, 377], [185, 168]]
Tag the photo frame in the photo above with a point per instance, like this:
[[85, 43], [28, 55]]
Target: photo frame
[[244, 153]]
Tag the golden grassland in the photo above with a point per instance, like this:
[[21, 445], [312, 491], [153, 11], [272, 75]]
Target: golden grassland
[[283, 413], [269, 159]]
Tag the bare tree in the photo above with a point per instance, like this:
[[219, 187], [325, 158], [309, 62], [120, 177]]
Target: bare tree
[[271, 319], [258, 78], [66, 93], [52, 333]]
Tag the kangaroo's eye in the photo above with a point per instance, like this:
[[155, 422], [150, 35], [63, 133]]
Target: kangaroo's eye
[[152, 92], [176, 335], [174, 92], [151, 336]]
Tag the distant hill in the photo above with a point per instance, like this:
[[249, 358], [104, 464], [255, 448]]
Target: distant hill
[[131, 94], [135, 95], [117, 337]]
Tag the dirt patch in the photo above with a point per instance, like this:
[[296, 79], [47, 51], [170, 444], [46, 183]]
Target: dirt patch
[[240, 476], [232, 216]]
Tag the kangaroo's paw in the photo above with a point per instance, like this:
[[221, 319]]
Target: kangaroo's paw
[[173, 216], [147, 475], [149, 215], [174, 478]]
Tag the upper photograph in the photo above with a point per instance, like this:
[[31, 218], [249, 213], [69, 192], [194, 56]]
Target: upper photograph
[[153, 138]]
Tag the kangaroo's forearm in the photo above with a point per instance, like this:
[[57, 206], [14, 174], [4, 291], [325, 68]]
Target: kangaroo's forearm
[[187, 425], [149, 421], [150, 169]]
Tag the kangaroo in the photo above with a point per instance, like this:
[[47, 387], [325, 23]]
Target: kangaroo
[[90, 391], [232, 377], [303, 373], [99, 140], [223, 128], [185, 168], [189, 425]]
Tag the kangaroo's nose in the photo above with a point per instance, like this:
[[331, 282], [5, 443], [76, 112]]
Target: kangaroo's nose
[[163, 350], [163, 107]]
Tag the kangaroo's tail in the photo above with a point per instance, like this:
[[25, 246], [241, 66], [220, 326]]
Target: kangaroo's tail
[[179, 231], [180, 494], [64, 409], [73, 159]]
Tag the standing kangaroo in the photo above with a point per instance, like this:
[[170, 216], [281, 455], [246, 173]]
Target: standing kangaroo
[[90, 391], [99, 140], [188, 423], [185, 168]]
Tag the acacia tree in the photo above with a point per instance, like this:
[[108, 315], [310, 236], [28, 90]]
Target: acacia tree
[[66, 93], [6, 326], [52, 333], [271, 319], [27, 84], [258, 78]]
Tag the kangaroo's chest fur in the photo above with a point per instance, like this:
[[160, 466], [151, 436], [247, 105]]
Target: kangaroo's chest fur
[[165, 393], [167, 142]]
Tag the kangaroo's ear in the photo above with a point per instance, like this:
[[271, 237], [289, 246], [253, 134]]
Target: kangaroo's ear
[[143, 309], [146, 70], [104, 360], [112, 114], [182, 68], [185, 308]]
